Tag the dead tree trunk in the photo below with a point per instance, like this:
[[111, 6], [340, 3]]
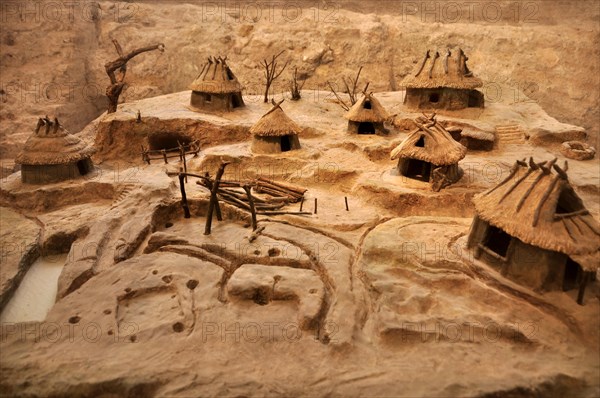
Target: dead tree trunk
[[117, 83], [271, 73], [296, 87]]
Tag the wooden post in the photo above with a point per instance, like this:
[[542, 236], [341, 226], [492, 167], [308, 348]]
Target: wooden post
[[586, 276], [164, 153], [184, 203], [301, 203], [248, 190], [315, 205], [213, 197], [346, 200]]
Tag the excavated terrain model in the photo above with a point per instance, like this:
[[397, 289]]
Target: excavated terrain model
[[285, 249]]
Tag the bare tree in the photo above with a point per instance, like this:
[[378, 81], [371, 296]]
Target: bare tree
[[295, 87], [117, 83], [271, 73], [351, 87]]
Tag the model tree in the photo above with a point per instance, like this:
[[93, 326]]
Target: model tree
[[295, 86], [271, 73], [351, 88], [117, 69]]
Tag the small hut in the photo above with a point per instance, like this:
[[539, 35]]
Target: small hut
[[367, 116], [51, 154], [216, 88], [443, 81], [275, 132], [536, 230], [430, 154]]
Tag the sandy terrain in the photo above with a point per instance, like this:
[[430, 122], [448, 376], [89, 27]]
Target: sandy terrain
[[382, 299], [362, 302]]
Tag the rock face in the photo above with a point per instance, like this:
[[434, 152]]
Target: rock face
[[322, 40]]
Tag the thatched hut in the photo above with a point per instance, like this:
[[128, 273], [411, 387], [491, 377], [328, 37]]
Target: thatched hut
[[51, 154], [535, 228], [430, 154], [472, 138], [367, 116], [443, 81], [275, 132], [216, 88]]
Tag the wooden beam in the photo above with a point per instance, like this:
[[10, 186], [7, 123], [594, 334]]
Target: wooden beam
[[213, 197]]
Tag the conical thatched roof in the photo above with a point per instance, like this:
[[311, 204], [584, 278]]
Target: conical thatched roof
[[438, 146], [541, 208], [52, 144], [275, 123], [443, 69], [368, 109], [216, 78]]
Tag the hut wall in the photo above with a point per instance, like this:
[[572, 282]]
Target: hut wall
[[536, 267], [45, 174], [218, 102], [272, 144], [526, 264], [443, 98]]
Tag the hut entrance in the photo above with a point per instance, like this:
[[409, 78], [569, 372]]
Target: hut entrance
[[83, 166], [418, 169], [434, 98], [497, 240], [286, 143], [572, 275], [366, 128], [235, 101], [166, 141]]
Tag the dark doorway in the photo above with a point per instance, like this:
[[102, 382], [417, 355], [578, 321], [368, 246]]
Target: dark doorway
[[366, 128], [164, 140], [286, 143], [235, 101], [497, 240], [83, 166], [434, 97], [572, 275], [207, 98], [475, 99], [418, 169]]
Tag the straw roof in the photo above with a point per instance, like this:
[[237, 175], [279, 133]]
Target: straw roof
[[477, 134], [524, 205], [439, 148], [275, 123], [52, 144], [443, 69], [216, 78], [375, 114]]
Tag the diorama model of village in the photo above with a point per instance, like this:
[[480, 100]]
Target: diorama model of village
[[427, 239]]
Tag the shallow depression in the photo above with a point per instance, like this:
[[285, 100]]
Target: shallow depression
[[37, 292]]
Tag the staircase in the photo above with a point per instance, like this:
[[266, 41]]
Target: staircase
[[122, 192], [510, 134]]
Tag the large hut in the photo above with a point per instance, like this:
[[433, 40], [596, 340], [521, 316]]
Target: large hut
[[216, 88], [51, 154], [367, 116], [443, 81], [536, 230], [275, 132], [430, 154]]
